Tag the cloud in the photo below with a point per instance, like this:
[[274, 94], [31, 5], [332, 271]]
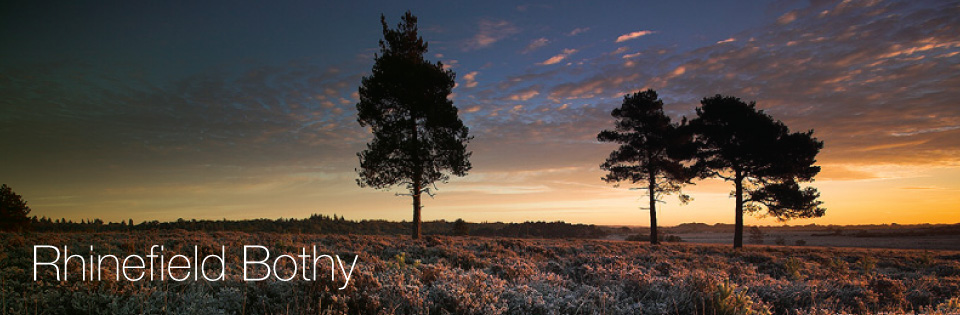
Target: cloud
[[491, 189], [533, 76], [728, 40], [450, 64], [620, 50], [893, 95], [536, 44], [787, 18], [633, 35], [207, 117], [578, 31], [600, 85], [525, 94], [871, 98], [923, 131], [471, 79], [680, 70], [490, 32], [208, 131], [559, 57], [844, 172], [921, 188]]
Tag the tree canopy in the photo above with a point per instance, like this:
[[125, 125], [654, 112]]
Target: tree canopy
[[13, 210], [418, 137], [761, 156], [652, 151]]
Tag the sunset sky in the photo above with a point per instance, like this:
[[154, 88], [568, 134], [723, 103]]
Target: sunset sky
[[246, 109]]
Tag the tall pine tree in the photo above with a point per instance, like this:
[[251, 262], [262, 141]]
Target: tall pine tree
[[763, 159], [651, 153], [418, 137]]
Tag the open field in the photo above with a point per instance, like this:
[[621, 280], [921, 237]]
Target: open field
[[790, 238], [471, 275], [929, 242], [925, 236]]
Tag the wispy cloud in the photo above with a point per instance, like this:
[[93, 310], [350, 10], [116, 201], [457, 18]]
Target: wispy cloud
[[892, 96], [596, 86], [578, 31], [787, 18], [470, 79], [620, 50], [921, 188], [559, 57], [536, 44], [728, 40], [633, 35], [490, 32], [923, 131], [525, 94]]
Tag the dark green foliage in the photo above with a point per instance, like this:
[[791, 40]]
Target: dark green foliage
[[417, 136], [651, 153], [13, 210], [761, 156]]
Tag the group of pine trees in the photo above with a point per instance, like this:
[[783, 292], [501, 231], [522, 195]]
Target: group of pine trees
[[419, 139], [729, 139]]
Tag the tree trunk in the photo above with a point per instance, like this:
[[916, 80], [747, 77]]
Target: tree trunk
[[738, 227], [416, 211], [653, 208], [417, 177]]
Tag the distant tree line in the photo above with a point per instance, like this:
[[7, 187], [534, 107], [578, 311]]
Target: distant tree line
[[539, 229], [325, 224]]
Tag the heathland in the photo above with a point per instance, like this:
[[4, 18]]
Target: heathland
[[493, 275]]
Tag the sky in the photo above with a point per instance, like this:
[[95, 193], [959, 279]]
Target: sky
[[161, 110]]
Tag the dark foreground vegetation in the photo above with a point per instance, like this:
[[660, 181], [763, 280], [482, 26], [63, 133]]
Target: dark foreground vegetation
[[471, 275]]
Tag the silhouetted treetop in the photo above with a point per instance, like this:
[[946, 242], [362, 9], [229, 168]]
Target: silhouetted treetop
[[13, 210], [404, 41]]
